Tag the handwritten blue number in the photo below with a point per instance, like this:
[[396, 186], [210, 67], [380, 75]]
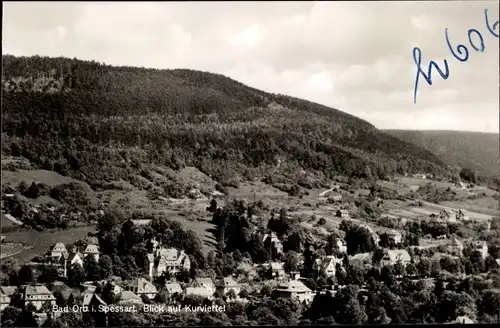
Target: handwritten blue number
[[461, 49], [417, 58], [491, 29], [472, 30]]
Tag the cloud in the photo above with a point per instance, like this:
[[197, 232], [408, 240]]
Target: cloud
[[354, 56]]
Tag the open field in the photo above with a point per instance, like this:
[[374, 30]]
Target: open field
[[50, 178], [10, 249], [41, 241], [483, 205]]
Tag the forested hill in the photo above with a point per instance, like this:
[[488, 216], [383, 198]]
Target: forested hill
[[474, 150], [102, 123]]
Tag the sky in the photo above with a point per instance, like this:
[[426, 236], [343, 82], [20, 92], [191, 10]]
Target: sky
[[352, 56]]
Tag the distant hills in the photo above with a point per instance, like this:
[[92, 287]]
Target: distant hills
[[475, 150], [100, 124]]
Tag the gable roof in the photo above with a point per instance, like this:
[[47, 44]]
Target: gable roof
[[173, 288], [38, 290], [74, 255], [92, 249], [399, 255], [88, 297], [206, 281], [127, 295], [293, 286], [276, 266], [227, 282], [200, 291], [141, 283], [8, 290], [59, 247]]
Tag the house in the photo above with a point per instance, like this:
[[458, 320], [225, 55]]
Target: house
[[375, 236], [142, 222], [172, 289], [38, 295], [296, 290], [342, 214], [8, 290], [127, 296], [341, 246], [92, 250], [94, 304], [273, 240], [482, 247], [455, 245], [462, 215], [4, 301], [199, 291], [169, 260], [395, 236], [327, 265], [141, 286], [397, 255], [360, 260], [448, 215], [91, 299], [463, 320], [206, 283], [276, 270], [335, 198], [73, 258], [58, 251], [224, 285]]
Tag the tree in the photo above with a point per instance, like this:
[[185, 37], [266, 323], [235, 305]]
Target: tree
[[399, 269], [26, 319], [291, 261], [49, 274], [377, 256], [387, 276], [105, 266], [231, 294], [410, 269], [468, 175], [76, 275], [9, 316], [424, 267], [355, 276], [91, 268], [26, 275]]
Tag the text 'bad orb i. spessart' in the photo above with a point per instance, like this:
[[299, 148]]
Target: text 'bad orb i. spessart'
[[476, 41]]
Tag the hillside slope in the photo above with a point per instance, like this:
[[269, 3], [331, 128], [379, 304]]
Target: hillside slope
[[99, 124], [475, 150]]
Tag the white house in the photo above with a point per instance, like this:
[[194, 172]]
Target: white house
[[172, 289], [92, 250], [199, 291], [166, 260], [226, 284], [58, 251], [127, 296], [296, 290], [37, 296], [141, 286], [462, 215], [73, 258], [206, 283], [327, 265], [397, 255], [4, 301], [274, 240]]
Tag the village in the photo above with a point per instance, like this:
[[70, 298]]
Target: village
[[167, 279]]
